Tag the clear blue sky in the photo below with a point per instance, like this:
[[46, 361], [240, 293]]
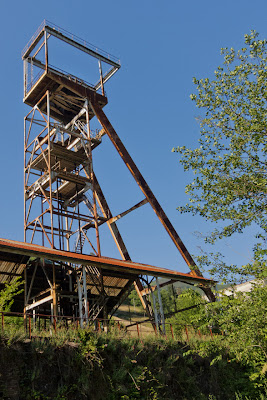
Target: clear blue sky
[[162, 45]]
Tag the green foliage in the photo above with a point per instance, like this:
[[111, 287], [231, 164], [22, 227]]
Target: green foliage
[[229, 188], [155, 368], [230, 162], [168, 298], [88, 348], [9, 292], [240, 321], [134, 299], [186, 299]]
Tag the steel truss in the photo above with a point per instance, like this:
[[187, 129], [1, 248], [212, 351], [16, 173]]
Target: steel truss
[[64, 203]]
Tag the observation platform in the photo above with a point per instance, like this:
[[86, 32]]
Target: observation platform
[[68, 94], [68, 90], [67, 159]]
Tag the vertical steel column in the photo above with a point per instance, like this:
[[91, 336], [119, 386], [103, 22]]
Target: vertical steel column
[[49, 167], [25, 235], [46, 50], [80, 301], [25, 297], [101, 77], [92, 178], [25, 66], [82, 298], [85, 299], [155, 310], [54, 293], [161, 307], [67, 234]]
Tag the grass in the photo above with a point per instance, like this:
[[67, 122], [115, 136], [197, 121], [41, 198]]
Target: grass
[[81, 364]]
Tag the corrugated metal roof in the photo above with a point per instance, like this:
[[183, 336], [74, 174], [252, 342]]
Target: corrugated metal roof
[[110, 264], [9, 271], [112, 286]]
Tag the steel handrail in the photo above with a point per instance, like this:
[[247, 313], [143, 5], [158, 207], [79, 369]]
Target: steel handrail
[[60, 72], [71, 36]]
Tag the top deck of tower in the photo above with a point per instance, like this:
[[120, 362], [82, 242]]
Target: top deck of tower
[[68, 90]]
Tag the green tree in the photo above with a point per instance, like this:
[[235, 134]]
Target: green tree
[[230, 162], [230, 187], [186, 299], [8, 293], [241, 321]]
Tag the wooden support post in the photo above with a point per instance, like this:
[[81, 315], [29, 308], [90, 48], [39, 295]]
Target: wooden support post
[[187, 335], [54, 293], [172, 331], [30, 327]]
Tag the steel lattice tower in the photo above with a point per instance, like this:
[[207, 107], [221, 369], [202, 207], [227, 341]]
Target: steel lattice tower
[[64, 203]]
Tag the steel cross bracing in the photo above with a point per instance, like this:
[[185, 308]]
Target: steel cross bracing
[[64, 202]]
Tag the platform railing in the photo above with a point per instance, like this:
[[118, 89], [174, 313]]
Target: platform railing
[[33, 38], [60, 72], [77, 39]]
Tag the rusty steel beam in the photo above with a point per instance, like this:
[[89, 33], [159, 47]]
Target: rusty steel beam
[[119, 216], [120, 243], [28, 249], [112, 226], [110, 131]]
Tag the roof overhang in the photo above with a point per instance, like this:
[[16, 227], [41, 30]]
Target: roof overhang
[[107, 264]]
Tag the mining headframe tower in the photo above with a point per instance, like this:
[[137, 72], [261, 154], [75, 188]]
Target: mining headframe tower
[[64, 205]]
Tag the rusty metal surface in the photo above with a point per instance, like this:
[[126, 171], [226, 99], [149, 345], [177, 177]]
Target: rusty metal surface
[[112, 286], [11, 266], [110, 131], [9, 271], [56, 30], [66, 174], [105, 262]]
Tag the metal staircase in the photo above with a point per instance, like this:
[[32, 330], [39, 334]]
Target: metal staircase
[[96, 308]]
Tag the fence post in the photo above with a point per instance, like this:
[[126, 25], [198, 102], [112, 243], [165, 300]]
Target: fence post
[[30, 327], [138, 332], [55, 325], [172, 331], [187, 335]]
